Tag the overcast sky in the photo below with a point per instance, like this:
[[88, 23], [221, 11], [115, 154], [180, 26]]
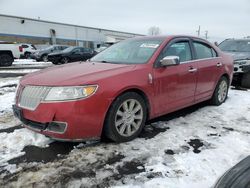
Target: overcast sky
[[222, 18]]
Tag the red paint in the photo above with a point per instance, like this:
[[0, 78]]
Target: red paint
[[173, 88]]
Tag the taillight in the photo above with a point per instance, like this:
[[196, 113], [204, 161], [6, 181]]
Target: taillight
[[20, 49]]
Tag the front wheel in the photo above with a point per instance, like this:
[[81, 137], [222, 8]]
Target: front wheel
[[221, 91], [126, 117], [246, 80]]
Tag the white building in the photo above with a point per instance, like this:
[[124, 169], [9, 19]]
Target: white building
[[36, 31]]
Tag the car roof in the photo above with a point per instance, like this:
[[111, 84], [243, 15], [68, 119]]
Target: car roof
[[165, 37]]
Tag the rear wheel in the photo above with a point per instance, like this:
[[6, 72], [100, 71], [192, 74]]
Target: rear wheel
[[6, 60], [126, 117], [221, 91]]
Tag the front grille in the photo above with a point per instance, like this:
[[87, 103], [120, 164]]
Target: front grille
[[31, 96]]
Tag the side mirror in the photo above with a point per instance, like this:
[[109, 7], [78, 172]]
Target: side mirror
[[170, 60]]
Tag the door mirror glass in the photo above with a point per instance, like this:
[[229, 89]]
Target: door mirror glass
[[170, 60]]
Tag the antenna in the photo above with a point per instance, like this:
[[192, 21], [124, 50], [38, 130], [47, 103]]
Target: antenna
[[199, 31]]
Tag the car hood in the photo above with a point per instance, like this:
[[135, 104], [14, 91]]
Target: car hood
[[240, 55], [78, 73]]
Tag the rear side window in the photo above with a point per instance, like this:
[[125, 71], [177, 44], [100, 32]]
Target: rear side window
[[180, 49], [88, 50], [64, 47], [204, 51]]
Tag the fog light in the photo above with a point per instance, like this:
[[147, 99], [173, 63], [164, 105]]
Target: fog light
[[58, 127]]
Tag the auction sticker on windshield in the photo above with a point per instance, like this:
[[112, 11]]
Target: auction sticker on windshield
[[145, 45]]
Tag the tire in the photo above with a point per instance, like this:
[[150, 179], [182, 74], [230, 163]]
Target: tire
[[45, 58], [125, 118], [220, 92], [27, 55], [246, 80], [64, 60], [55, 63], [6, 60]]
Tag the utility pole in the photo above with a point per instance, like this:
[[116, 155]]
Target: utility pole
[[199, 31], [206, 35]]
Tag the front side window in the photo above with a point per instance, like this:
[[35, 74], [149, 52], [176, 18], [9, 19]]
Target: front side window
[[180, 49], [135, 51], [203, 51]]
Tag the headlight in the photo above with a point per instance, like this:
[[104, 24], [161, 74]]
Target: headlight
[[70, 93]]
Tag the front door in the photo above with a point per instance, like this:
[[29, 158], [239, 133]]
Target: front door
[[175, 86]]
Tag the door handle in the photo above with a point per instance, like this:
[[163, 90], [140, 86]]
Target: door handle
[[192, 70], [218, 64]]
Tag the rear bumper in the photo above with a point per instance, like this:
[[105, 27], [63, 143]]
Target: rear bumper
[[67, 121]]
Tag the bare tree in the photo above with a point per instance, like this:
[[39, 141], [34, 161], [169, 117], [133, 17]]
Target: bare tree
[[154, 30]]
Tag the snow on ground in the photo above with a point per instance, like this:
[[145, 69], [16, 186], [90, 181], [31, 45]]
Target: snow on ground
[[190, 151], [19, 71], [29, 62], [12, 144]]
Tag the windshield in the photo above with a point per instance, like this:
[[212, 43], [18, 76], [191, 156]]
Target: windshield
[[129, 52], [235, 45], [69, 49]]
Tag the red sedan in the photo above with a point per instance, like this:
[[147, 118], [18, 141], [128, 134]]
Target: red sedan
[[115, 92]]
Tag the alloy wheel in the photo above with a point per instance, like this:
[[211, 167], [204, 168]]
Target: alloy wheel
[[129, 117], [222, 92]]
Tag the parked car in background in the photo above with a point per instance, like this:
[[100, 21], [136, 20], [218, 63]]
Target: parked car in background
[[98, 50], [28, 49], [116, 91], [240, 50], [8, 52], [42, 46], [236, 177], [42, 55], [71, 54]]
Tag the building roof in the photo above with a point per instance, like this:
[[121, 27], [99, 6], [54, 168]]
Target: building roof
[[52, 22]]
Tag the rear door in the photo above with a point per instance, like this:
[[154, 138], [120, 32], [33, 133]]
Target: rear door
[[175, 85], [209, 69]]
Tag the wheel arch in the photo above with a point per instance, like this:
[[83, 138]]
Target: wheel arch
[[226, 76], [7, 52], [142, 94], [127, 90]]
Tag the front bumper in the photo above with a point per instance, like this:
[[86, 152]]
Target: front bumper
[[83, 119]]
